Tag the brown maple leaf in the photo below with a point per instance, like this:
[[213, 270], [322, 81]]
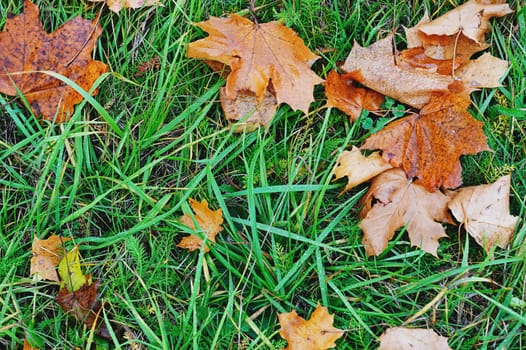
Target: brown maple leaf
[[317, 333], [485, 212], [26, 48], [428, 145], [471, 19], [359, 168], [343, 94], [28, 346], [259, 55], [402, 338], [208, 221], [398, 203], [47, 253], [381, 72], [85, 305], [117, 5]]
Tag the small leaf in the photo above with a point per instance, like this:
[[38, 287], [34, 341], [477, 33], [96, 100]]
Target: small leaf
[[70, 272], [47, 254], [317, 333], [359, 168], [208, 221], [117, 5]]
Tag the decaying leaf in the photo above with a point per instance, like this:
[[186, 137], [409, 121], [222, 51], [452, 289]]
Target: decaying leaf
[[317, 333], [377, 66], [117, 5], [485, 71], [84, 304], [246, 107], [428, 145], [359, 168], [401, 338], [208, 221], [259, 55], [47, 254], [343, 94], [485, 212], [471, 19], [398, 203], [28, 346], [26, 49], [70, 271]]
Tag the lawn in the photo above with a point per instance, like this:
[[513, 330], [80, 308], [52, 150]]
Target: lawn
[[118, 176]]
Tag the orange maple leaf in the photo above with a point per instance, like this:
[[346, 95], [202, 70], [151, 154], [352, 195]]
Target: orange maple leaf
[[398, 203], [343, 94], [26, 48], [208, 221], [47, 253], [317, 333], [428, 145], [259, 55]]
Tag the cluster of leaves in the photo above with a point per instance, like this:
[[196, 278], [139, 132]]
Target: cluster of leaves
[[267, 64]]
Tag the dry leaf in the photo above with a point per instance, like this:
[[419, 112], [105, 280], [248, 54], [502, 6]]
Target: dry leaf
[[485, 212], [47, 254], [117, 5], [412, 35], [428, 145], [359, 168], [471, 19], [376, 64], [318, 333], [259, 56], [485, 71], [25, 47], [343, 94], [401, 338], [209, 223], [84, 304], [246, 107], [398, 203]]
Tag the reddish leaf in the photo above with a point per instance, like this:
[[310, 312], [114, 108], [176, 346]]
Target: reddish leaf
[[117, 5], [84, 304], [25, 48], [428, 145], [343, 94]]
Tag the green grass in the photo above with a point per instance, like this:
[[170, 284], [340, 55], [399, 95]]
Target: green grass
[[117, 177]]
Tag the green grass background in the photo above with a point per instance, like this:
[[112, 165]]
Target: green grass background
[[117, 177]]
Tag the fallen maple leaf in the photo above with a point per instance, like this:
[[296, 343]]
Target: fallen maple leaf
[[259, 56], [428, 145], [117, 5], [471, 19], [377, 65], [485, 71], [343, 94], [208, 221], [359, 168], [484, 210], [317, 333], [401, 338], [47, 254], [398, 203], [26, 49], [28, 346]]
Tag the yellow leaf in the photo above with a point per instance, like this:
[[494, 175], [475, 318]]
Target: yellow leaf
[[70, 272]]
